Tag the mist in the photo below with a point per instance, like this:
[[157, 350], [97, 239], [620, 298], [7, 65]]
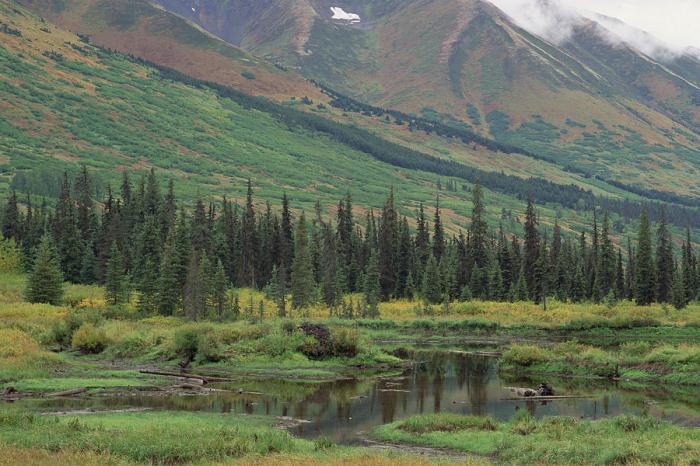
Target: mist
[[662, 30]]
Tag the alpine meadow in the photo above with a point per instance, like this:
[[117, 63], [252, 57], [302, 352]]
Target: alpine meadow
[[372, 232]]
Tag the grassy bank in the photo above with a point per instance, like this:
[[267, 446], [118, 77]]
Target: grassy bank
[[638, 361], [553, 440], [161, 438], [47, 348]]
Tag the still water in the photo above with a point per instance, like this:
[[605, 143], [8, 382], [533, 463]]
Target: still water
[[442, 381]]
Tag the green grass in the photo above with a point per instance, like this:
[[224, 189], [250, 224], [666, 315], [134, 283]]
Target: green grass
[[153, 437], [634, 360], [169, 437], [552, 440]]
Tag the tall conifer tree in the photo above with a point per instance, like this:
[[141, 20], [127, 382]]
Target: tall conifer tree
[[645, 289]]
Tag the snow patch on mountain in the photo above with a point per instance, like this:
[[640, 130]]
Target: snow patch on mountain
[[342, 15]]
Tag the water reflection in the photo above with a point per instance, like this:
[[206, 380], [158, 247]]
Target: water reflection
[[439, 381]]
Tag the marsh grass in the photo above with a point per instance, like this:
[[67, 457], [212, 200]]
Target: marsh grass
[[154, 437], [637, 360], [553, 440]]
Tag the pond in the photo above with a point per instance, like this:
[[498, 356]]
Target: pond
[[440, 381]]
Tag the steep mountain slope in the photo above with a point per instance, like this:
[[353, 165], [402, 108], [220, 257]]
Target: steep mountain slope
[[146, 31], [591, 102], [105, 25], [68, 102]]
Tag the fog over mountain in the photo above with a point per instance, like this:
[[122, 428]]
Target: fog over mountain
[[659, 29]]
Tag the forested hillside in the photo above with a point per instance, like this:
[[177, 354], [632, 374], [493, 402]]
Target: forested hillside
[[592, 101], [87, 105]]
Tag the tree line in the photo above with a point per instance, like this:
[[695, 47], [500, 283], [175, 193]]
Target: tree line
[[455, 131], [185, 261], [539, 190]]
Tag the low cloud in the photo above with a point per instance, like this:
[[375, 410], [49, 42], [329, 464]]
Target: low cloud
[[670, 24]]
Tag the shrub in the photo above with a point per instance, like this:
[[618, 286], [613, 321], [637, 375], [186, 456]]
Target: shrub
[[193, 343], [635, 348], [345, 342], [61, 333], [10, 256], [248, 75], [133, 344], [288, 327], [322, 344], [277, 344], [523, 355], [90, 339]]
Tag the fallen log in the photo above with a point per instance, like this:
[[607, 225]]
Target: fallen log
[[74, 391], [554, 397], [204, 379], [543, 390]]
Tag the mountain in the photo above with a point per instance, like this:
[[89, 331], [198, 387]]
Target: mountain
[[144, 30], [70, 101], [592, 101]]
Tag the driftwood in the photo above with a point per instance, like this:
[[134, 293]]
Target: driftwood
[[544, 390], [553, 397], [191, 378], [74, 391], [491, 354]]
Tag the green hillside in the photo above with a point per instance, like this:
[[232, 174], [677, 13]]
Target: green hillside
[[85, 105], [603, 109], [141, 29]]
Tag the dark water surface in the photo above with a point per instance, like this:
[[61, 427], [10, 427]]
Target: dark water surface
[[442, 381]]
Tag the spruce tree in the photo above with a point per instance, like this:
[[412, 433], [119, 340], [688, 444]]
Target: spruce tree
[[432, 290], [405, 259], [169, 291], [605, 267], [279, 282], [12, 219], [541, 275], [619, 277], [679, 297], [388, 241], [87, 221], [532, 249], [249, 242], [630, 272], [664, 261], [438, 233], [69, 243], [195, 292], [372, 288], [422, 239], [303, 285], [200, 234], [520, 291], [478, 230], [331, 287], [219, 285], [592, 262], [115, 281], [45, 283], [286, 254], [688, 267], [645, 289]]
